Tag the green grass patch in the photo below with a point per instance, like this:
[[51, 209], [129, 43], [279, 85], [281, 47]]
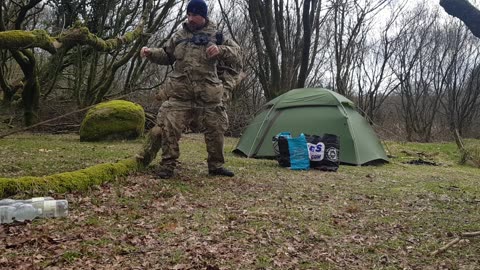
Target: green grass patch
[[267, 217], [41, 164], [444, 152], [41, 155], [472, 148], [70, 256]]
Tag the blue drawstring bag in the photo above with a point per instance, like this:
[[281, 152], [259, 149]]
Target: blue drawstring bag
[[298, 150]]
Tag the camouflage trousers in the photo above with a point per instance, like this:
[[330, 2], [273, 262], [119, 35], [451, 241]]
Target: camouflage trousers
[[151, 146], [173, 118]]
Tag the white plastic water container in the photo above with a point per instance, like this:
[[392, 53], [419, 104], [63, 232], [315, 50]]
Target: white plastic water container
[[19, 211], [25, 211], [52, 208], [6, 214], [32, 200], [7, 202]]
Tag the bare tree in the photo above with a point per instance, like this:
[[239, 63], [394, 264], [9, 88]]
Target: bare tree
[[461, 106], [17, 16], [461, 77], [418, 63], [161, 26], [247, 97], [84, 60], [351, 24], [284, 34], [375, 81], [5, 85]]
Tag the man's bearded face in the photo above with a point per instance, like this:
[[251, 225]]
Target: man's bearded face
[[195, 21]]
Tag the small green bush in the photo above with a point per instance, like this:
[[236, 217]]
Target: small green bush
[[472, 155]]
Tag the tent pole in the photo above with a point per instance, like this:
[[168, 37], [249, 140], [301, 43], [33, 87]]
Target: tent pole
[[357, 159], [258, 132]]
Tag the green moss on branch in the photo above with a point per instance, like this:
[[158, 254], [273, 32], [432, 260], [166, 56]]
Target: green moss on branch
[[20, 39], [80, 180], [82, 36]]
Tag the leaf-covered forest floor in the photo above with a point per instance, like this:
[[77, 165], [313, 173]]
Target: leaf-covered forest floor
[[266, 217]]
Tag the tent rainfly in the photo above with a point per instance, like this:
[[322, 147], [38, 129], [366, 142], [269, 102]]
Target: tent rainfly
[[313, 111]]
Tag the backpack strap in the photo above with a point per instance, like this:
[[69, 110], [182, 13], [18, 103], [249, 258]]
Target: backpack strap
[[218, 39], [182, 40]]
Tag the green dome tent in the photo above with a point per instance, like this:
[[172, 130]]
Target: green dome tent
[[313, 111]]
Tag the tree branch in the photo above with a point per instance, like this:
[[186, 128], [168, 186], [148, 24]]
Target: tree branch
[[465, 11], [19, 39], [454, 241]]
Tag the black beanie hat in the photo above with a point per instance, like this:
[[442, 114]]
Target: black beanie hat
[[198, 7]]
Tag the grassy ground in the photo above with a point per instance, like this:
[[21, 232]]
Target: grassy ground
[[266, 217], [39, 155]]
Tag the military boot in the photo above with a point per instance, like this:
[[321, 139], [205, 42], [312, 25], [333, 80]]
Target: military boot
[[165, 173], [221, 172]]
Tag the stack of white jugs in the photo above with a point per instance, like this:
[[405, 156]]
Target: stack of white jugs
[[41, 207]]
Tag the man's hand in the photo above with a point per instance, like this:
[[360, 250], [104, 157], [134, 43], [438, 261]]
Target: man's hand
[[213, 51], [145, 52]]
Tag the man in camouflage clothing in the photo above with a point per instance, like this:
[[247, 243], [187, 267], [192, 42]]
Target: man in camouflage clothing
[[229, 73], [193, 88]]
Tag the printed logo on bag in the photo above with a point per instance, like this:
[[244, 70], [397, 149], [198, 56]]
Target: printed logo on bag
[[332, 154], [316, 152]]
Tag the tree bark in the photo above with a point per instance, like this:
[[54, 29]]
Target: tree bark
[[8, 90], [31, 89], [307, 39], [465, 11]]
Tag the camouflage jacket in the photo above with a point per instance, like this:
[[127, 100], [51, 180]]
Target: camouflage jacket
[[194, 76], [231, 73]]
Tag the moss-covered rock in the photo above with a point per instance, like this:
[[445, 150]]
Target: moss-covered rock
[[113, 120], [80, 180]]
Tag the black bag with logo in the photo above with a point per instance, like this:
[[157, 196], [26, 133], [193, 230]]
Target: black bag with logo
[[324, 152]]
